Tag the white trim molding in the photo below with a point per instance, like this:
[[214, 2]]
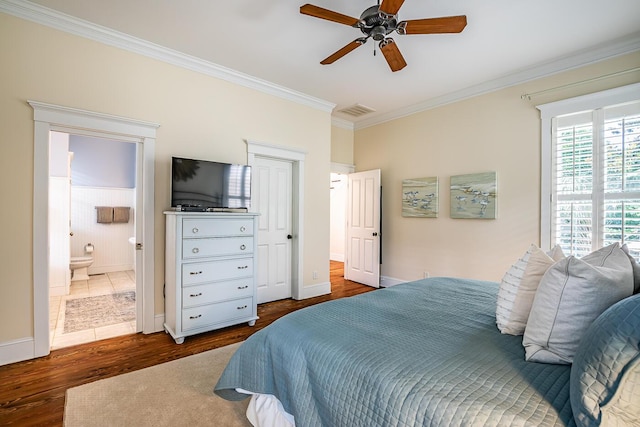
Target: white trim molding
[[315, 290], [342, 168], [79, 27], [548, 111], [48, 117], [583, 58], [297, 157], [16, 351], [45, 16], [387, 282], [342, 123]]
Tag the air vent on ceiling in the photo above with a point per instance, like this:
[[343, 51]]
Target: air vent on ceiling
[[356, 110]]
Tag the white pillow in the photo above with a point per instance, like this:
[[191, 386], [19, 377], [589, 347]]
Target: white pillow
[[538, 264], [509, 289], [556, 253], [518, 288], [571, 295]]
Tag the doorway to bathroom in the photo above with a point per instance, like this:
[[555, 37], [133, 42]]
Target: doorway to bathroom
[[92, 201], [50, 117]]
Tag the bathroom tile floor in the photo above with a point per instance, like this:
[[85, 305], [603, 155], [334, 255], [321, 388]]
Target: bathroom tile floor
[[99, 284]]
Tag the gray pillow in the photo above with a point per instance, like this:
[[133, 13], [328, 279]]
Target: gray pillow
[[571, 295], [636, 269], [605, 375]]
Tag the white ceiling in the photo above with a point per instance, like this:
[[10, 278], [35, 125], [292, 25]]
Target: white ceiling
[[271, 40]]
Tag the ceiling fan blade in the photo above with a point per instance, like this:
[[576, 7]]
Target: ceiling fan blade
[[447, 24], [392, 54], [391, 7], [329, 15], [342, 52]]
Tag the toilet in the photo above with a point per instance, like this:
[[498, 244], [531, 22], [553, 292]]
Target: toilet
[[79, 264]]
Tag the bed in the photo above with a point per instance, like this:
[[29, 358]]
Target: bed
[[417, 354]]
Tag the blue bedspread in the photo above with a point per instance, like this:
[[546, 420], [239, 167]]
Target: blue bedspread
[[417, 354]]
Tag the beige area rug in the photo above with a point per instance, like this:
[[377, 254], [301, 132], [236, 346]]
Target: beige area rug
[[177, 393]]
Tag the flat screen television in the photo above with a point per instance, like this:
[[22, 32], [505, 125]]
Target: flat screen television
[[202, 185]]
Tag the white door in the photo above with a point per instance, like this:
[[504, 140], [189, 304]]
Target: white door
[[271, 197], [362, 255]]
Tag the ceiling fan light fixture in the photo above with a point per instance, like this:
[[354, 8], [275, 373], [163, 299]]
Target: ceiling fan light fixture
[[378, 32], [381, 20]]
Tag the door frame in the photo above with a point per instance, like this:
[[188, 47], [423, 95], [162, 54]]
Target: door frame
[[342, 169], [297, 158], [48, 117]]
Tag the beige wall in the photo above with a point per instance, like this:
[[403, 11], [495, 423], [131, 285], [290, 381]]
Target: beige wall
[[342, 145], [199, 116], [494, 132]]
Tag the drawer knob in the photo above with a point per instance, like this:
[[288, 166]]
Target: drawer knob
[[195, 250], [195, 230], [243, 229], [193, 273], [242, 307], [195, 317], [243, 247], [240, 267], [243, 287], [196, 295]]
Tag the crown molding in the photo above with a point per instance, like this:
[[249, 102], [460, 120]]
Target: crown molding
[[579, 59], [60, 21], [341, 123], [63, 22]]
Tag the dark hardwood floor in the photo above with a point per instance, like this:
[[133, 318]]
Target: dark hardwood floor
[[32, 393]]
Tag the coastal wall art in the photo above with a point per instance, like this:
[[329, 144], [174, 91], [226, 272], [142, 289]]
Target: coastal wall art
[[474, 196], [420, 197]]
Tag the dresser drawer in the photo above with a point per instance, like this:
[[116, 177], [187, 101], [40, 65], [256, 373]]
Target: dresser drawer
[[218, 291], [203, 272], [198, 317], [218, 246], [204, 227]]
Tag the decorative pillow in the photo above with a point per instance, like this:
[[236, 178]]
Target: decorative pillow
[[509, 288], [636, 269], [605, 376], [556, 253], [571, 295], [519, 286]]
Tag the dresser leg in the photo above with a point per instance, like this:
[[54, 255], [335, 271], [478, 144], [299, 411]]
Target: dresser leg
[[179, 340], [252, 323]]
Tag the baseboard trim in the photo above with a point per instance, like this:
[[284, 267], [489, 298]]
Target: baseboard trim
[[311, 291], [336, 257], [386, 281], [17, 351], [158, 323], [110, 269]]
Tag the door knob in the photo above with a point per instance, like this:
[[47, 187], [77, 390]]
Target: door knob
[[289, 236], [375, 234]]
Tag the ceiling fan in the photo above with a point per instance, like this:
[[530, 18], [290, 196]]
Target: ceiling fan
[[378, 21]]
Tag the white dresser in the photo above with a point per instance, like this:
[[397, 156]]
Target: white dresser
[[210, 265]]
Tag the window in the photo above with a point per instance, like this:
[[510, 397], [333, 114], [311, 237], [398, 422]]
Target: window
[[591, 171]]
